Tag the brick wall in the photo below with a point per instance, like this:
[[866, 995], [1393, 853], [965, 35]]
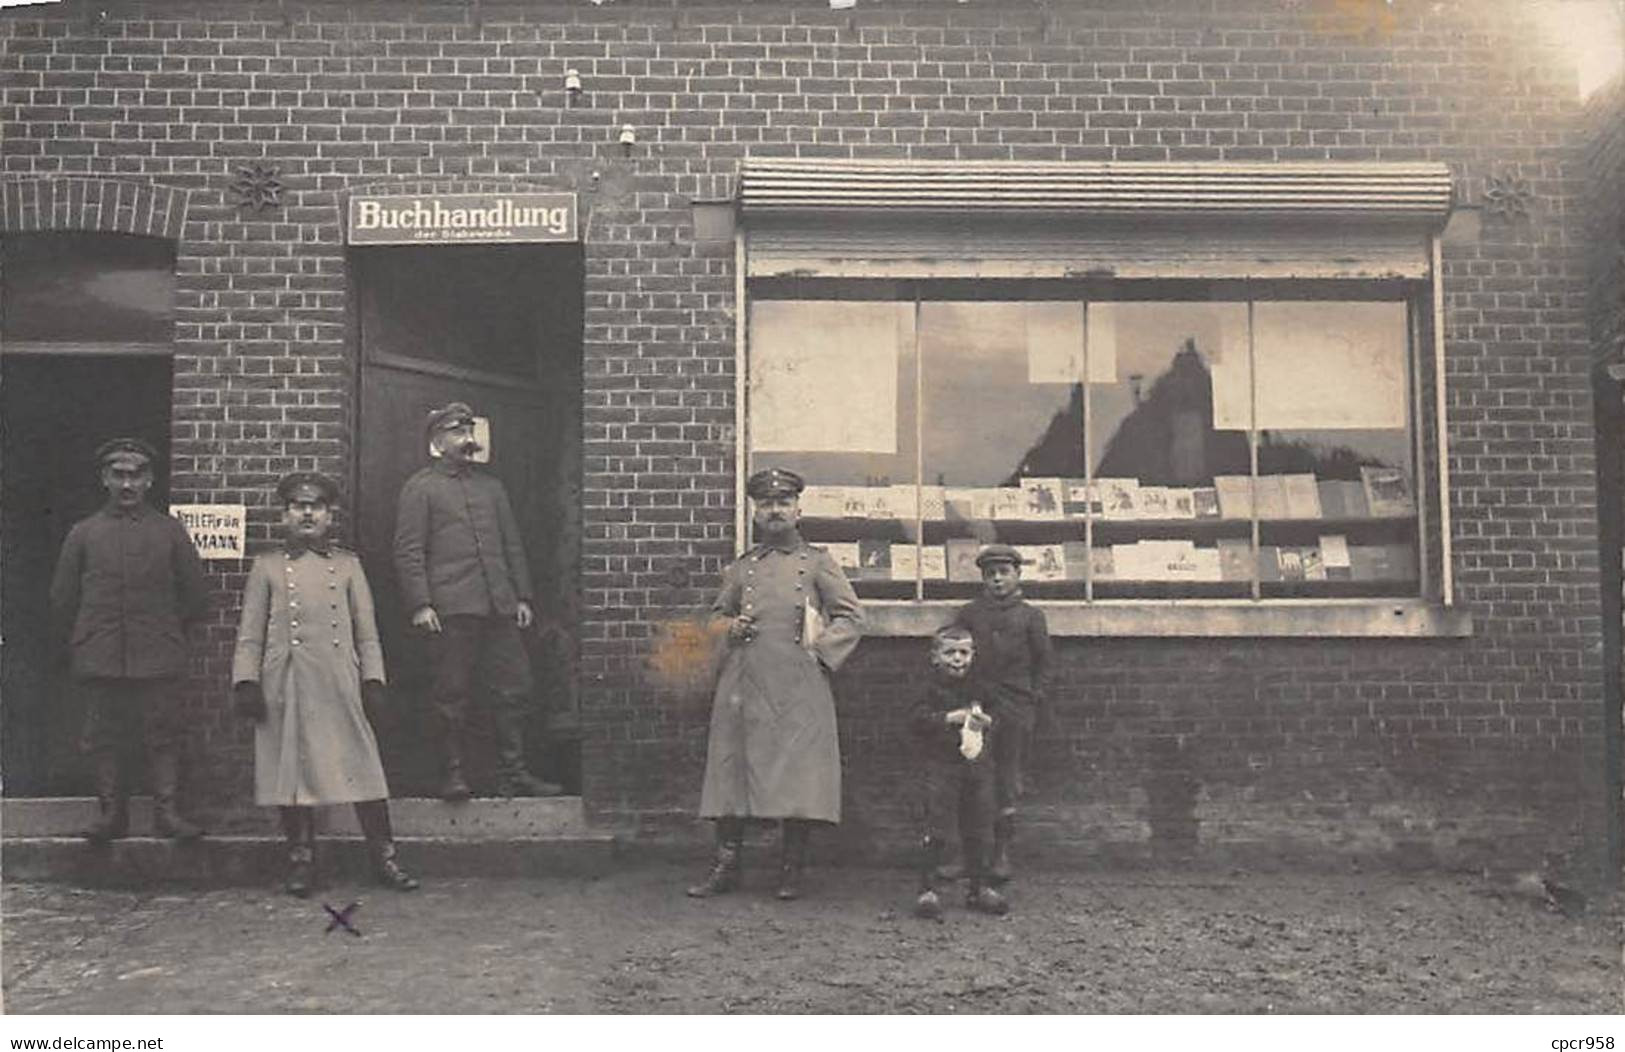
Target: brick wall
[[1426, 748]]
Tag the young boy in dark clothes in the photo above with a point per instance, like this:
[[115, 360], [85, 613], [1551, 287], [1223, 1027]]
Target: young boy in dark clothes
[[956, 768], [1012, 661]]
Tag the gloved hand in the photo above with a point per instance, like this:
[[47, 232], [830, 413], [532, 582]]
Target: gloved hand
[[373, 699], [248, 701]]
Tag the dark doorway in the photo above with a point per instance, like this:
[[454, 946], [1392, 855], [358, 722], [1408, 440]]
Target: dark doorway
[[498, 327], [57, 408]]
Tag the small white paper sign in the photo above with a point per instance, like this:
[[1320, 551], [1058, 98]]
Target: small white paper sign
[[217, 530]]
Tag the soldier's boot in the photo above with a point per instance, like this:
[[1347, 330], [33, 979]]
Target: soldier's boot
[[979, 895], [112, 800], [927, 903], [1000, 871], [728, 866], [512, 778], [299, 831], [164, 765], [374, 818], [792, 858], [453, 788]]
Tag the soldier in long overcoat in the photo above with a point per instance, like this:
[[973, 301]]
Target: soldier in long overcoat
[[773, 753], [307, 669]]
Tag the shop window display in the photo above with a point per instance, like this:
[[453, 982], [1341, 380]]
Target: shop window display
[[1227, 447]]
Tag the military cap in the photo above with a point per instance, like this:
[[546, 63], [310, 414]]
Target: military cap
[[289, 484], [998, 553], [774, 482], [453, 414], [123, 447]]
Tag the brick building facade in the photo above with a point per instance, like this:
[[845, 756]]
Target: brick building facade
[[239, 131]]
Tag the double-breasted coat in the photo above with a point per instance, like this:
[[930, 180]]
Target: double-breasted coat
[[309, 637], [773, 751]]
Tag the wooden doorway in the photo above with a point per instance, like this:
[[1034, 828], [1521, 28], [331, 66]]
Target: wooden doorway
[[498, 327]]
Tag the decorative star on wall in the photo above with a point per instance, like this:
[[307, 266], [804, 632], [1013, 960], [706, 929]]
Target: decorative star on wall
[[258, 186], [1507, 195]]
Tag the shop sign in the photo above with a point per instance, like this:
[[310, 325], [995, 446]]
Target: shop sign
[[217, 530], [451, 219]]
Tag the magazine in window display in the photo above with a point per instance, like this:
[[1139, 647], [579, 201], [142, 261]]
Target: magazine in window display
[[1082, 499], [1387, 491], [883, 503], [905, 562], [874, 559], [1302, 496], [1205, 502], [855, 502], [961, 555], [1291, 563], [1269, 562], [1208, 569], [1314, 568], [1127, 562], [1153, 503], [1270, 495], [1102, 564], [1119, 498], [1076, 556], [1010, 503], [1333, 504], [933, 503], [823, 502], [1235, 559], [1043, 498], [1181, 502], [1045, 562], [933, 563], [846, 556], [1334, 556], [958, 504], [1235, 496]]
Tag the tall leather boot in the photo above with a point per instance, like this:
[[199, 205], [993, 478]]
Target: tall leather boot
[[453, 788], [792, 858], [728, 868], [299, 832], [164, 766], [374, 818], [512, 778], [979, 895], [927, 903], [1000, 872], [112, 800]]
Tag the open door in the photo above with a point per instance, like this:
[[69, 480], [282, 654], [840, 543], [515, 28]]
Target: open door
[[498, 327]]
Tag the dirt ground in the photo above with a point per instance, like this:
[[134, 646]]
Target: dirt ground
[[1096, 942]]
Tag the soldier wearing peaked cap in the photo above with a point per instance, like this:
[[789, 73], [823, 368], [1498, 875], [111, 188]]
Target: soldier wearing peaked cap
[[463, 574], [128, 584], [772, 754]]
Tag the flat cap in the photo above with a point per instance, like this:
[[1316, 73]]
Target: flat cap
[[998, 553], [450, 415], [116, 447], [774, 482], [289, 484]]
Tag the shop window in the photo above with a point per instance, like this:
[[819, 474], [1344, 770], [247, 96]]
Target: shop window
[[1138, 440], [87, 288]]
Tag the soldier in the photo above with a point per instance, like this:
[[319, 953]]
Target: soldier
[[463, 574], [309, 671], [773, 753], [127, 586]]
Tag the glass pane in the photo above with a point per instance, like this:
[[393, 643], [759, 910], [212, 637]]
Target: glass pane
[[491, 308], [832, 396], [90, 288], [1169, 389], [1003, 434]]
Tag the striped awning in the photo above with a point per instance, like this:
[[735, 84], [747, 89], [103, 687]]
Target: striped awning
[[1411, 193]]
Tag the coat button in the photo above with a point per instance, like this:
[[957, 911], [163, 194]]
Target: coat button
[[293, 624], [296, 642]]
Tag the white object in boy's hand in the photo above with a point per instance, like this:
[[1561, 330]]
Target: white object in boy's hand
[[970, 735]]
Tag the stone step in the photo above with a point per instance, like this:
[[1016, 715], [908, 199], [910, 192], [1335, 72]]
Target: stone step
[[223, 861], [517, 818]]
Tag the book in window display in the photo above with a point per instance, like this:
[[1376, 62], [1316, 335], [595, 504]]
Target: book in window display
[[1043, 499], [1235, 559], [1334, 556], [1302, 496], [1153, 503], [1075, 555], [1119, 498], [1102, 565], [874, 560], [905, 562], [1009, 503], [1387, 491], [1045, 562], [961, 555], [933, 503], [1205, 502], [1235, 496], [933, 563], [854, 502], [1270, 495], [1082, 499]]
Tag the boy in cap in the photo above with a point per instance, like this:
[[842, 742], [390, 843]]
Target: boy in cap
[[309, 671], [956, 771], [128, 585], [463, 574], [1012, 663], [773, 752]]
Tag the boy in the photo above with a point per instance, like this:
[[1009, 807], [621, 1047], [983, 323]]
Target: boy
[[957, 773], [1013, 654], [309, 672], [128, 586]]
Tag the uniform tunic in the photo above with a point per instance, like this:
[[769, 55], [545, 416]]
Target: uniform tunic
[[308, 636], [773, 751], [457, 545]]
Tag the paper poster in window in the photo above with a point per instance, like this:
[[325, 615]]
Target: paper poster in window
[[823, 375], [1055, 344], [1328, 365]]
